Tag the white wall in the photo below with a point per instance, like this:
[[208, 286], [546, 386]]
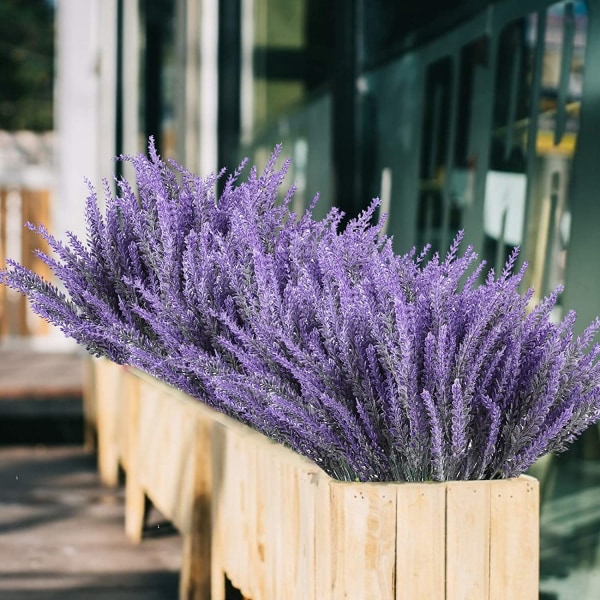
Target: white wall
[[196, 110], [85, 95], [77, 104]]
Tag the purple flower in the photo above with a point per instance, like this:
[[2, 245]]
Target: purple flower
[[377, 366]]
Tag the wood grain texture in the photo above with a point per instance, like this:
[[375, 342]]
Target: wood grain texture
[[278, 527], [218, 514], [4, 326], [166, 452], [135, 498], [514, 536], [363, 540], [467, 540], [109, 412], [90, 411], [195, 576], [420, 541]]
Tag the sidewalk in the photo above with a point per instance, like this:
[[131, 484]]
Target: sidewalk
[[40, 397], [62, 534], [28, 374]]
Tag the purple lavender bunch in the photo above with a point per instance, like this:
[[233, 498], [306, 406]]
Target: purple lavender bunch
[[387, 368], [378, 367]]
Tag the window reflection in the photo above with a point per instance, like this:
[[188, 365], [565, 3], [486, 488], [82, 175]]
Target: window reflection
[[451, 128], [474, 59], [432, 215], [557, 127], [159, 74], [292, 54], [539, 73], [506, 180]]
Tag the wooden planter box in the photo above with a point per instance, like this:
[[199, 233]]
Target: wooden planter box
[[104, 412], [279, 528]]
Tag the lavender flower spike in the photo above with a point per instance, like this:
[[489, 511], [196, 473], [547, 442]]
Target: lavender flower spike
[[377, 366]]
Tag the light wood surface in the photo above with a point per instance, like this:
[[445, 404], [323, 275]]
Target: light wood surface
[[421, 538], [278, 527]]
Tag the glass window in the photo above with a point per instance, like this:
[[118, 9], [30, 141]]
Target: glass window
[[451, 147], [292, 46], [506, 180], [159, 66], [390, 28], [539, 71], [432, 214]]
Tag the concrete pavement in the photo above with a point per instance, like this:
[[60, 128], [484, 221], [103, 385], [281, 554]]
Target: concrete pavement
[[61, 533], [62, 536]]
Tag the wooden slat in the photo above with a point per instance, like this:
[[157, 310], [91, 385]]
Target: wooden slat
[[248, 492], [467, 540], [194, 583], [323, 538], [421, 541], [110, 411], [233, 499], [35, 208], [279, 551], [135, 498], [26, 260], [90, 411], [166, 465], [219, 516], [271, 521], [261, 517], [3, 300], [18, 319], [514, 536], [363, 525], [305, 523], [268, 532], [180, 467]]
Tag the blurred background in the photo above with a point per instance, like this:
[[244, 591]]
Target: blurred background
[[457, 113]]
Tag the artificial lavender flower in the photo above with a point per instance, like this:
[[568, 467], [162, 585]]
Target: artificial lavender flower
[[378, 367]]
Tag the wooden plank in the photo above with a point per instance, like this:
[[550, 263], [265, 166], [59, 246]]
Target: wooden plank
[[514, 535], [166, 467], [26, 261], [279, 537], [265, 544], [135, 498], [195, 577], [3, 300], [129, 417], [323, 538], [109, 412], [363, 549], [290, 533], [151, 413], [304, 522], [228, 523], [276, 545], [421, 541], [247, 493], [35, 208], [90, 416], [260, 554], [235, 552], [219, 516], [467, 540], [178, 463], [284, 546]]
